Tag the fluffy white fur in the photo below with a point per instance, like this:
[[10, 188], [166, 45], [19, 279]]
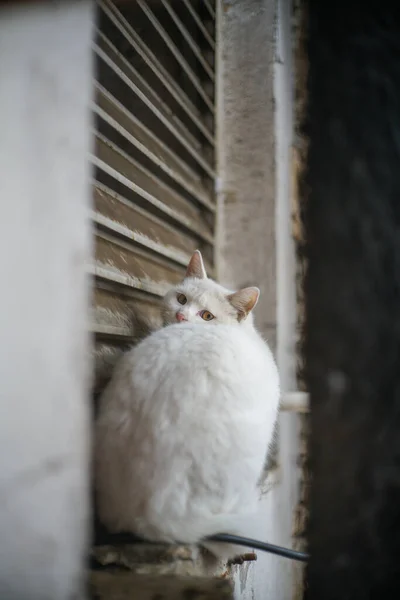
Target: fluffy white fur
[[187, 419]]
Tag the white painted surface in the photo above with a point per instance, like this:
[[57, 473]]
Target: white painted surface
[[254, 237], [45, 88], [289, 425], [295, 402]]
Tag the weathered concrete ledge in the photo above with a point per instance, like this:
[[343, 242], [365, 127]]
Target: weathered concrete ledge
[[157, 559], [124, 586]]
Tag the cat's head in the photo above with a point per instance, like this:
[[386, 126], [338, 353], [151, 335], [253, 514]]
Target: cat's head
[[198, 299]]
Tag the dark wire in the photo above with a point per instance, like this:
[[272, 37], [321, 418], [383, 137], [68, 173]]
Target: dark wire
[[264, 546], [128, 538]]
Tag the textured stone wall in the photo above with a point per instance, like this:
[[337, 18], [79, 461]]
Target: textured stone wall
[[299, 195]]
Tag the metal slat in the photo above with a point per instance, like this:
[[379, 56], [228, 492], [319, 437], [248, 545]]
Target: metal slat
[[114, 331], [199, 159], [123, 162], [122, 263], [114, 206], [135, 254], [127, 166], [142, 240], [104, 272], [164, 155], [185, 33], [153, 204], [209, 7], [114, 310], [156, 67], [152, 200], [177, 54], [126, 264], [105, 355], [133, 140], [110, 312], [139, 243], [199, 23], [142, 137], [104, 44]]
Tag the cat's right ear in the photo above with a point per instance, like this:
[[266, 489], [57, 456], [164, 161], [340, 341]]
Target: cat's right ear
[[244, 301], [196, 267]]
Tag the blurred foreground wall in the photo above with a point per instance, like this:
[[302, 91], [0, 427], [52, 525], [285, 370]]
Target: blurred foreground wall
[[45, 88]]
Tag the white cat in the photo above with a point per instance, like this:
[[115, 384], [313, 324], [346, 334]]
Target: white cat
[[187, 419]]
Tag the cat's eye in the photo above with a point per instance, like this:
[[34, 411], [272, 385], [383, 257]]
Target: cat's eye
[[181, 298], [206, 315]]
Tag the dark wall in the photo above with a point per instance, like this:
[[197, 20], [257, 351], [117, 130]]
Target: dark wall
[[353, 299]]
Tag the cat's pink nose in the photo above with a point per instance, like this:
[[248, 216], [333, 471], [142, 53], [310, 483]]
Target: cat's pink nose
[[180, 317]]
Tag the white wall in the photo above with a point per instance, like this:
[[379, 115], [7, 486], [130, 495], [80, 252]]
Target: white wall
[[45, 86], [254, 123]]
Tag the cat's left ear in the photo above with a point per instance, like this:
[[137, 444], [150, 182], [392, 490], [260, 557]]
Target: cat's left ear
[[196, 267], [244, 301]]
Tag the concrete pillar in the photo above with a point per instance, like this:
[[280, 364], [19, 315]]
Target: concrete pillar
[[246, 155], [254, 125], [45, 89]]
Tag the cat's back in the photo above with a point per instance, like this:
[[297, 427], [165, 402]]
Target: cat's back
[[188, 363], [185, 349], [184, 430]]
